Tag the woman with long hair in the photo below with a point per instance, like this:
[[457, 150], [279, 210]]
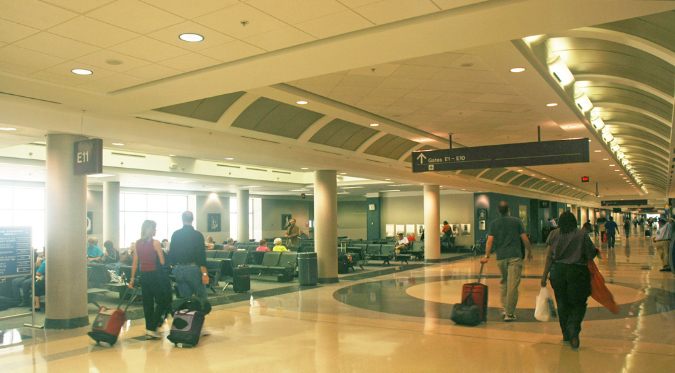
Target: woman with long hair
[[569, 250], [154, 282]]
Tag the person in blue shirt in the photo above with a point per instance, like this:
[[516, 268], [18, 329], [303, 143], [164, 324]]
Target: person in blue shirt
[[610, 231], [94, 253]]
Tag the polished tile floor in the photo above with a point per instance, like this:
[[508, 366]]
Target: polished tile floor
[[397, 322]]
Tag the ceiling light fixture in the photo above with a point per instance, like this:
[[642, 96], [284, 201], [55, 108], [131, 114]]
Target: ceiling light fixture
[[560, 72], [374, 124], [7, 129], [191, 38], [598, 123], [118, 144], [301, 102], [607, 136], [582, 101], [552, 104], [229, 159], [597, 151], [343, 173], [615, 148], [81, 71], [517, 69]]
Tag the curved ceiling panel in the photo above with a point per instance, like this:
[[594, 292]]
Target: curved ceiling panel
[[520, 180], [473, 172], [390, 146], [208, 109], [657, 28], [493, 173], [276, 118], [342, 134], [505, 178]]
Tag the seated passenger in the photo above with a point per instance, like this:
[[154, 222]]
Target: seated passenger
[[230, 245], [128, 256], [209, 244], [23, 284], [165, 245], [112, 257], [263, 246], [94, 253], [278, 246], [303, 235], [411, 238], [39, 285], [401, 243]]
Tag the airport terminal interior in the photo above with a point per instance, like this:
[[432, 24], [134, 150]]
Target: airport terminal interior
[[360, 119]]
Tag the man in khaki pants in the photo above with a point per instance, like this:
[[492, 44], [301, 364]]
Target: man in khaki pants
[[662, 242], [506, 234]]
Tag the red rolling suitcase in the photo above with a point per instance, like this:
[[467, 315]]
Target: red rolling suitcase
[[479, 293], [108, 323]]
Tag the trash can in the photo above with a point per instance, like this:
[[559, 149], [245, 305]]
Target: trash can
[[308, 269]]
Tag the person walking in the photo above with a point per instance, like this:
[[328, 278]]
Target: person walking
[[154, 281], [626, 229], [189, 257], [610, 231], [507, 236], [662, 240], [568, 251]]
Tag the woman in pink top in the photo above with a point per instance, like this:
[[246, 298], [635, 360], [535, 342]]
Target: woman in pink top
[[154, 281], [263, 246]]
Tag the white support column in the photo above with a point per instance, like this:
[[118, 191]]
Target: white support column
[[66, 237], [242, 215], [111, 212], [432, 221], [325, 224]]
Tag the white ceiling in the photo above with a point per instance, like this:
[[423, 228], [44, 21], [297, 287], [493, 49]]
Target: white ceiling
[[422, 69]]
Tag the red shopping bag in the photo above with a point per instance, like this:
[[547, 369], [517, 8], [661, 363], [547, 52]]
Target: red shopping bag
[[599, 290]]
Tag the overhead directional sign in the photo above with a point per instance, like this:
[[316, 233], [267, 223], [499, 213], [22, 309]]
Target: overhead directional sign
[[627, 202], [507, 155]]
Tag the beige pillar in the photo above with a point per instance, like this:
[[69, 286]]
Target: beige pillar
[[242, 215], [325, 224], [66, 237], [111, 213], [432, 221]]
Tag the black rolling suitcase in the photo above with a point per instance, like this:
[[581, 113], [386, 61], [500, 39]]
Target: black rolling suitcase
[[241, 279], [186, 328]]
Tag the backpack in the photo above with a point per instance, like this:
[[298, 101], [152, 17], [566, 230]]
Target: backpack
[[344, 263]]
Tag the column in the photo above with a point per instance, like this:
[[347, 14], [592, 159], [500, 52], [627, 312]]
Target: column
[[66, 237], [432, 224], [325, 224], [242, 215], [111, 213]]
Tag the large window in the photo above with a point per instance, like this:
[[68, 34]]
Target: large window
[[254, 218], [24, 207], [165, 210]]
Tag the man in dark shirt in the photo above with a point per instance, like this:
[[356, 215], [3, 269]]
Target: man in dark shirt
[[507, 234], [611, 229], [189, 256]]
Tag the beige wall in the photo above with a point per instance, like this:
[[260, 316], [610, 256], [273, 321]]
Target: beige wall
[[213, 204], [455, 208], [272, 210]]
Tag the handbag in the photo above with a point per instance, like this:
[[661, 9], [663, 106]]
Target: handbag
[[599, 290]]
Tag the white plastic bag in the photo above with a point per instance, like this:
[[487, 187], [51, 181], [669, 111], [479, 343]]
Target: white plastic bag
[[542, 311]]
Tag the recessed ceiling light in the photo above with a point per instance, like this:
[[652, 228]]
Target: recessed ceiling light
[[7, 129], [520, 170], [229, 159], [517, 69], [81, 71], [192, 38], [597, 151], [343, 173], [543, 178], [118, 144], [374, 124], [99, 175], [617, 170], [301, 102], [552, 104], [605, 159], [304, 168], [611, 165], [387, 179]]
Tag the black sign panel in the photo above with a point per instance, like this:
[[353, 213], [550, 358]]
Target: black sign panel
[[627, 202], [88, 157], [15, 245], [507, 155]]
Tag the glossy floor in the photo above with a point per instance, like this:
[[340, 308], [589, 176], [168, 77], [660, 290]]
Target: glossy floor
[[398, 322]]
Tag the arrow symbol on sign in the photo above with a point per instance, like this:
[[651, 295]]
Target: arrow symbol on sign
[[421, 158]]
